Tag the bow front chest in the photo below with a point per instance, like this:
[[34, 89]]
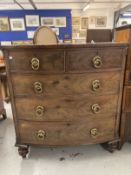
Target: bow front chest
[[66, 94]]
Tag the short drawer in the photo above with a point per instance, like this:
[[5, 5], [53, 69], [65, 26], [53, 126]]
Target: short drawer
[[91, 59], [66, 84], [66, 133], [67, 108], [36, 60]]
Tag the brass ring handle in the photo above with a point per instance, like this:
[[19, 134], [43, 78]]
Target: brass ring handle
[[95, 108], [95, 85], [94, 132], [38, 87], [40, 111], [35, 63], [97, 62], [41, 134]]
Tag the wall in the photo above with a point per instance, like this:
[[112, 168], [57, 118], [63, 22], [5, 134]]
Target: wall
[[22, 35], [97, 12]]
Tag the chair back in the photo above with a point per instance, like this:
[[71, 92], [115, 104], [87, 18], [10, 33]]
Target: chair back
[[45, 35]]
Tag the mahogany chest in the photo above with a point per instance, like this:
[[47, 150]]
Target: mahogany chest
[[65, 95], [123, 34]]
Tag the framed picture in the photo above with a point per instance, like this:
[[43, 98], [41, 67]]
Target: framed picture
[[32, 20], [75, 29], [84, 23], [60, 22], [22, 42], [17, 24], [47, 21], [56, 30], [92, 20], [76, 21], [4, 24], [5, 43], [30, 34], [101, 21], [82, 34]]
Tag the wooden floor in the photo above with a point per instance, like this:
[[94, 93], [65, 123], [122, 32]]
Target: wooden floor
[[83, 160]]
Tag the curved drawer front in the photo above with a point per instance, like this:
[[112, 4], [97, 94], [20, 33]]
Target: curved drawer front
[[59, 85], [66, 108], [36, 60], [83, 60], [66, 133]]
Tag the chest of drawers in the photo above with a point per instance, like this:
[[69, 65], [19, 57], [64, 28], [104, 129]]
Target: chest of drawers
[[123, 34], [66, 94]]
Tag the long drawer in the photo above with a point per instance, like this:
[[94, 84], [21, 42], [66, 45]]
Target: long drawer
[[127, 99], [67, 84], [67, 133], [68, 108], [80, 60]]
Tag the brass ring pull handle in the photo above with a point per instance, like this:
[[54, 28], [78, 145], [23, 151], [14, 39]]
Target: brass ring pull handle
[[95, 108], [38, 87], [35, 63], [97, 62], [41, 134], [40, 111], [95, 85], [94, 132]]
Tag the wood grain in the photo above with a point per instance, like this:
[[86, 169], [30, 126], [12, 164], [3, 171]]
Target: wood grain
[[67, 84], [62, 133], [68, 108]]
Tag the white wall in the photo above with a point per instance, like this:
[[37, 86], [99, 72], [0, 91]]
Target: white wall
[[97, 12]]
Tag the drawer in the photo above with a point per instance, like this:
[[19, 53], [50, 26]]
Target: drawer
[[127, 126], [127, 99], [85, 59], [45, 60], [66, 133], [67, 108], [66, 84]]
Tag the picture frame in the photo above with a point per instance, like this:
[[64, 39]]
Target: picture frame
[[30, 34], [47, 21], [4, 24], [22, 42], [17, 24], [84, 22], [56, 30], [6, 43], [32, 20], [75, 29], [101, 21], [60, 22], [92, 20], [75, 21], [82, 34]]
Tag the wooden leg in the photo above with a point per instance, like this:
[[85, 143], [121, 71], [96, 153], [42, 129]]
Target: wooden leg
[[23, 150], [121, 143], [4, 114], [111, 146]]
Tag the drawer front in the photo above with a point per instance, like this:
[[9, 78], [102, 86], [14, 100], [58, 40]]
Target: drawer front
[[127, 99], [84, 59], [66, 108], [128, 77], [59, 85], [36, 60], [127, 126], [66, 133]]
